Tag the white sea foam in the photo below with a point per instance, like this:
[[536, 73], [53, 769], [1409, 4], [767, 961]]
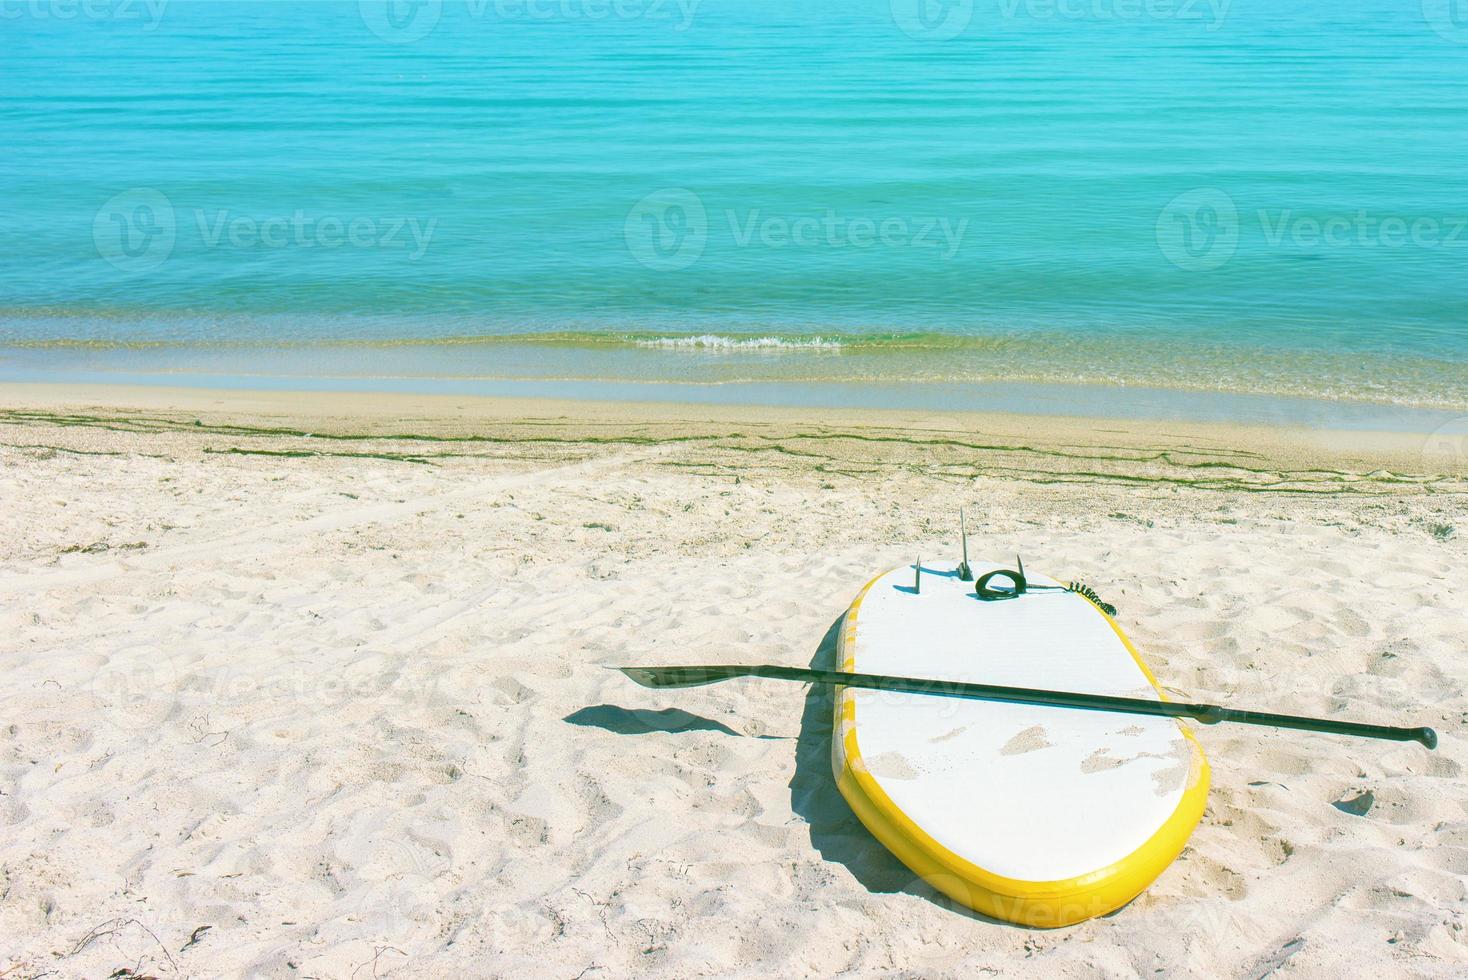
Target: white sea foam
[[711, 341]]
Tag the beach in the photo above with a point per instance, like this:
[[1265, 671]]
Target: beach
[[378, 377], [313, 684]]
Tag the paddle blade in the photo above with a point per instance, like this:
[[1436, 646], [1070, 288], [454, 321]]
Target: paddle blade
[[663, 677]]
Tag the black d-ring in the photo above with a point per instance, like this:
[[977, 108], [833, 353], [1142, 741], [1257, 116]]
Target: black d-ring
[[982, 590]]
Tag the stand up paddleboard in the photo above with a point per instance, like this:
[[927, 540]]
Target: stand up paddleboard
[[1038, 815]]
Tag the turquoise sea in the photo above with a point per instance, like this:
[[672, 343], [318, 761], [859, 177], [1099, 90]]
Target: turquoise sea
[[1203, 208]]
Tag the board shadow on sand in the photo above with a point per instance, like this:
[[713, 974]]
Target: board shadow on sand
[[835, 831]]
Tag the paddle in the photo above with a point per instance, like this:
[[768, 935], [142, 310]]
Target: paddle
[[1208, 714]]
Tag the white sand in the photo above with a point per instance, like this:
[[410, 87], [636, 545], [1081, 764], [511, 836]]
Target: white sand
[[349, 712]]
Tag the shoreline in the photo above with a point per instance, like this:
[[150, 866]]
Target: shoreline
[[1159, 375], [1019, 398], [1222, 449]]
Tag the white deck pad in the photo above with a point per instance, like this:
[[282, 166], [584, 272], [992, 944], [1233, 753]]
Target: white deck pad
[[1033, 793]]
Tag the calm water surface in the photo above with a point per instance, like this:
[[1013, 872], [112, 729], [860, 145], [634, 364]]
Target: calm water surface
[[1251, 197]]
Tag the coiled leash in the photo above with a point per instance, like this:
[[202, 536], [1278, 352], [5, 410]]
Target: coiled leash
[[1019, 585]]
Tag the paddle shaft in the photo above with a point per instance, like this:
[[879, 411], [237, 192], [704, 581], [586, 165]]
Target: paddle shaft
[[1208, 714]]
